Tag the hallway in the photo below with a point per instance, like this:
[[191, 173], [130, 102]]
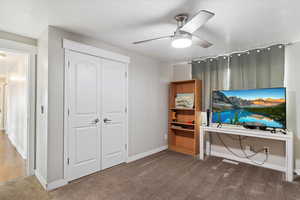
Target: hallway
[[11, 163]]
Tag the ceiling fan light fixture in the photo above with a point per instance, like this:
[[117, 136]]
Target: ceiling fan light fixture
[[2, 55], [181, 42], [183, 35]]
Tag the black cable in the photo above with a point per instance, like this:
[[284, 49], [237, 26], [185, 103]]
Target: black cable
[[246, 156], [228, 149], [234, 152], [249, 157]]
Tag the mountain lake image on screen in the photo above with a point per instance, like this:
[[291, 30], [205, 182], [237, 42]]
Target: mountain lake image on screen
[[256, 107]]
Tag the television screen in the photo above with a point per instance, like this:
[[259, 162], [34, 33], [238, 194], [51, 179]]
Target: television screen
[[255, 107]]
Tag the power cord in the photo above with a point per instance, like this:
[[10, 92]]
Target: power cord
[[249, 157], [242, 149]]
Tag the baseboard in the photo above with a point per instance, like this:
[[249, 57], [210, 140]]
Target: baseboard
[[50, 186], [41, 179], [145, 154], [56, 184], [11, 139], [19, 150], [244, 160]]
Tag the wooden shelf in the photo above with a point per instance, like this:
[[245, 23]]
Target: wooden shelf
[[182, 123], [185, 137], [184, 81], [189, 109], [183, 129]]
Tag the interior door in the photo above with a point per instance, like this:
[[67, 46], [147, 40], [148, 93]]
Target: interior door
[[113, 113], [84, 142]]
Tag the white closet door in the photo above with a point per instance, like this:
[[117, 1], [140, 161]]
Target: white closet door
[[84, 142], [113, 113]]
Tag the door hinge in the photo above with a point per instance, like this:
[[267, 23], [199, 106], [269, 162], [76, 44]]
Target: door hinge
[[125, 109], [68, 64], [68, 112], [125, 74], [68, 161], [125, 146]]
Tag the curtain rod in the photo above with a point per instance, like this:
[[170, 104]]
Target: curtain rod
[[233, 52]]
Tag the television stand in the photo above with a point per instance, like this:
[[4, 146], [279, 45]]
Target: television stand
[[205, 145]]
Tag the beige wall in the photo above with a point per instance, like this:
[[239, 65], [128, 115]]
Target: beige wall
[[147, 109], [17, 38]]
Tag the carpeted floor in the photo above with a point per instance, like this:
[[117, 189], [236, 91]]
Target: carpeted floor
[[23, 189], [163, 176]]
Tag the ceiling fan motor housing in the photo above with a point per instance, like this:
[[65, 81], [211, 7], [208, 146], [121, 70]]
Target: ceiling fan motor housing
[[181, 20]]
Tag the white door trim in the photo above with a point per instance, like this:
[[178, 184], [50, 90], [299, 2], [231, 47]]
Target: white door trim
[[94, 51], [66, 113], [31, 52], [69, 45]]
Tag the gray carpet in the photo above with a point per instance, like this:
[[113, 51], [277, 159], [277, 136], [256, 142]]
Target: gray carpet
[[23, 189], [170, 175]]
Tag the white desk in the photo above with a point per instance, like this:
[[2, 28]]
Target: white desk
[[288, 139]]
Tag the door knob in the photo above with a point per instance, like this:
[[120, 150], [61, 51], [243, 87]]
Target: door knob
[[105, 120], [95, 121]]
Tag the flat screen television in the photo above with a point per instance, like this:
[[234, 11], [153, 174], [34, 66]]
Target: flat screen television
[[254, 107]]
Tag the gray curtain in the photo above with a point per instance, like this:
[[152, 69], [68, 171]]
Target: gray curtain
[[259, 68], [214, 75]]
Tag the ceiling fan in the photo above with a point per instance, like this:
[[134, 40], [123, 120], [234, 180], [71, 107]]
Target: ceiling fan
[[183, 36]]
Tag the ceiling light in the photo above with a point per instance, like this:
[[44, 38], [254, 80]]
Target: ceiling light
[[182, 41], [2, 55], [17, 78]]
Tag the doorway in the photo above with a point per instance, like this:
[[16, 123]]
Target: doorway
[[13, 115], [95, 112], [17, 109]]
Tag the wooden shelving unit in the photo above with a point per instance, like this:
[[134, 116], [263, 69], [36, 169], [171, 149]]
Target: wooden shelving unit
[[184, 135], [182, 123]]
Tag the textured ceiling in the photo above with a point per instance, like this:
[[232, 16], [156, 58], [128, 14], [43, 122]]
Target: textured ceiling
[[237, 25]]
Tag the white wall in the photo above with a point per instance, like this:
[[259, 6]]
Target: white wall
[[182, 71], [3, 73], [147, 109], [16, 124], [292, 60], [2, 104], [42, 100]]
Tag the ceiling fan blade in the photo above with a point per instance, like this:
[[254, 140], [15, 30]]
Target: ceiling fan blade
[[197, 21], [202, 43], [149, 40]]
